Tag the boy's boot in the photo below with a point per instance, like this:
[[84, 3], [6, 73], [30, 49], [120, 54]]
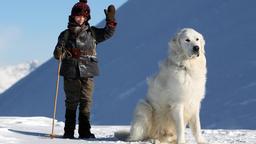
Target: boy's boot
[[84, 128], [70, 124]]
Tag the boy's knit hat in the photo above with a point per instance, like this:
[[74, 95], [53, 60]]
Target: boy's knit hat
[[81, 9]]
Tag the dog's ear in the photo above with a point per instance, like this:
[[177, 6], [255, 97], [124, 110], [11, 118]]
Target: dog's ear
[[174, 44], [202, 43], [174, 40]]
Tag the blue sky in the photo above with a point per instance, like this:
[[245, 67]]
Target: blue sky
[[29, 29]]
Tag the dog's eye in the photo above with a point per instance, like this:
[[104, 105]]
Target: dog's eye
[[197, 39], [187, 40]]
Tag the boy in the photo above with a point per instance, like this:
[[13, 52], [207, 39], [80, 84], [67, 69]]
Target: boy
[[76, 48]]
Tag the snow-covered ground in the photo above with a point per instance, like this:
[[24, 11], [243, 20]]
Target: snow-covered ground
[[36, 130]]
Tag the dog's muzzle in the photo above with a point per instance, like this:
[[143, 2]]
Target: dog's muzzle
[[196, 50]]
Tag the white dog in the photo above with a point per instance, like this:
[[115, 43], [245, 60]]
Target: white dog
[[175, 93]]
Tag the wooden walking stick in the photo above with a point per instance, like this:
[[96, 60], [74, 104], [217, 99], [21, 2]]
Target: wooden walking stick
[[52, 135]]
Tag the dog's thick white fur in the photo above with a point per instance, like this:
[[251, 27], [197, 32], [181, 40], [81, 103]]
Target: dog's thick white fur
[[175, 93]]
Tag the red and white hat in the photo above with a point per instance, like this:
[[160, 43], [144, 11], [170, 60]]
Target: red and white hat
[[81, 9]]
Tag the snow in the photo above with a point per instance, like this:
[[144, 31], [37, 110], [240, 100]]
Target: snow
[[31, 130], [9, 75]]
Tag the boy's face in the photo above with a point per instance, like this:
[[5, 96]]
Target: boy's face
[[80, 19]]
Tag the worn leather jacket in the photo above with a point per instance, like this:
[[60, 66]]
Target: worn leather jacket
[[78, 46]]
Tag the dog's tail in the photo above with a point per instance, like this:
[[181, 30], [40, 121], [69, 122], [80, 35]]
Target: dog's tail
[[122, 135]]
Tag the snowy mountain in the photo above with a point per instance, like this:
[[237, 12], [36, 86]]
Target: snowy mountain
[[31, 130], [133, 54], [11, 74]]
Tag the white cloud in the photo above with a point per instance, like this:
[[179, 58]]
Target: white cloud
[[9, 75]]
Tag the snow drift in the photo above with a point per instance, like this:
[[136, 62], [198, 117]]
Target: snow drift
[[31, 130]]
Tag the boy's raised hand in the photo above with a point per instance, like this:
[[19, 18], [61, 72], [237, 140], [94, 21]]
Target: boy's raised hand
[[110, 13]]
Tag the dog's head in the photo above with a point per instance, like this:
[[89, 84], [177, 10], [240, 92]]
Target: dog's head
[[188, 43]]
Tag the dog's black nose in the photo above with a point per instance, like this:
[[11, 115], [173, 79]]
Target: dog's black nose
[[196, 48]]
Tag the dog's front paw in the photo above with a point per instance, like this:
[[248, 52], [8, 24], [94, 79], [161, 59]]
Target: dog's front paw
[[201, 140]]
